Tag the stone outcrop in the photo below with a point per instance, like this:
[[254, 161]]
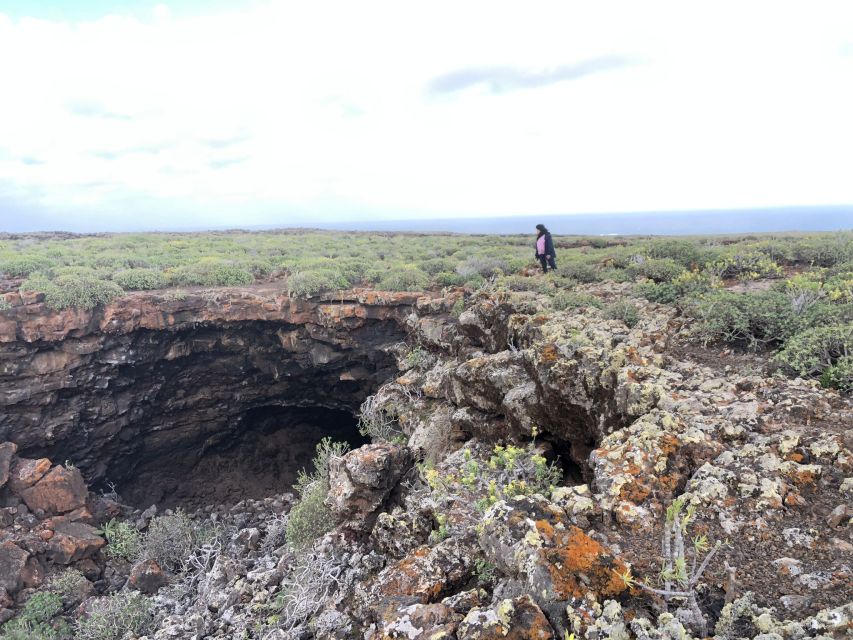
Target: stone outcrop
[[147, 385], [361, 481]]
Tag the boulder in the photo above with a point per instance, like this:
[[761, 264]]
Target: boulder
[[532, 539], [147, 576], [361, 481], [7, 450], [25, 473], [60, 491], [13, 562], [517, 619], [73, 541]]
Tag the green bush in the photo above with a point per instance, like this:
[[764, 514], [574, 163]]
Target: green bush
[[564, 300], [624, 311], [580, 271], [73, 290], [406, 279], [438, 265], [304, 284], [211, 273], [688, 283], [70, 585], [140, 279], [814, 350], [449, 279], [123, 540], [685, 252], [656, 269], [839, 376], [748, 319], [20, 266], [310, 518], [38, 620], [116, 616], [171, 539], [485, 266]]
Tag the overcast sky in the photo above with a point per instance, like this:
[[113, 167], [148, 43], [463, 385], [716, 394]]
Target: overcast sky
[[238, 113]]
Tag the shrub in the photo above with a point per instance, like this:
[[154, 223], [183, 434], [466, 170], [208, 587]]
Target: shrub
[[438, 265], [839, 376], [623, 311], [310, 518], [564, 300], [656, 269], [140, 279], [211, 273], [742, 318], [172, 539], [580, 271], [21, 266], [449, 279], [123, 540], [79, 290], [484, 266], [36, 620], [304, 284], [114, 617], [407, 279], [749, 265], [813, 351], [684, 252], [70, 585], [687, 283]]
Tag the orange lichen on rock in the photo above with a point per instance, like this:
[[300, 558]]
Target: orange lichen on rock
[[578, 564]]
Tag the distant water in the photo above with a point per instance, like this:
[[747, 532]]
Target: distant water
[[646, 223]]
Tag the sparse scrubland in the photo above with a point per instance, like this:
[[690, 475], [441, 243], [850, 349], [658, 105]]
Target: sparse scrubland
[[787, 294], [653, 442]]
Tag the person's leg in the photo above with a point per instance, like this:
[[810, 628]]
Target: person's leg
[[553, 263], [544, 264]]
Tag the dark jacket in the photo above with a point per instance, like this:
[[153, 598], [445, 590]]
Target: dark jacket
[[549, 246]]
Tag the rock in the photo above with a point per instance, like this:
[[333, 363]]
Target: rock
[[33, 574], [839, 516], [13, 562], [518, 619], [361, 480], [533, 539], [422, 622], [25, 473], [797, 605], [147, 577], [7, 450], [60, 491], [73, 541]]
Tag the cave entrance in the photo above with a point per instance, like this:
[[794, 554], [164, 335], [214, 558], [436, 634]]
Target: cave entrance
[[260, 456]]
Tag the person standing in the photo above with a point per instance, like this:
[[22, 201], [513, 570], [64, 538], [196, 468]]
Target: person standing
[[545, 249]]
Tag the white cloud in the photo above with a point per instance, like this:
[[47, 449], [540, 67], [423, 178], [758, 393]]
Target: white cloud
[[325, 109]]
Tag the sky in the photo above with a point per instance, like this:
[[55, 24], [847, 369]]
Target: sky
[[128, 115]]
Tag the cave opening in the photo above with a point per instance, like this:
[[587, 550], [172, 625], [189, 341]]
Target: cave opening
[[260, 456]]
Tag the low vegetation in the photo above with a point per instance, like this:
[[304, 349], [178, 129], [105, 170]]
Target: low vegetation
[[788, 295]]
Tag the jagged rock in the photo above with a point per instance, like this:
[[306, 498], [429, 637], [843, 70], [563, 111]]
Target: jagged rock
[[60, 491], [361, 480], [532, 538], [7, 450], [73, 541], [422, 622], [13, 561], [398, 533], [25, 473], [147, 576], [518, 619]]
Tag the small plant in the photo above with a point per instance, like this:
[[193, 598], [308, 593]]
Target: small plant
[[376, 423], [443, 530], [114, 617], [624, 311], [678, 579], [38, 620], [310, 518], [123, 540], [485, 571], [405, 279], [140, 279], [78, 289], [306, 589], [172, 540], [458, 308], [70, 585], [567, 300]]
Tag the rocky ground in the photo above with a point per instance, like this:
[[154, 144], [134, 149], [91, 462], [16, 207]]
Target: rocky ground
[[531, 458]]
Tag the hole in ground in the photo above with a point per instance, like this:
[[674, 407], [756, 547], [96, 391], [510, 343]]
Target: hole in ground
[[260, 456]]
